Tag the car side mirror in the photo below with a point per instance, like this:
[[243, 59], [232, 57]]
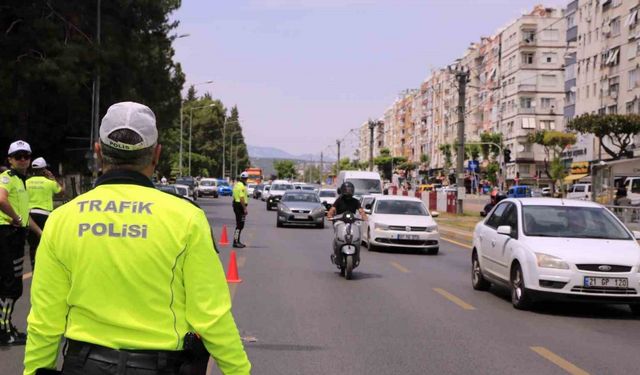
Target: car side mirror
[[483, 214], [435, 213], [636, 234], [505, 230], [367, 206]]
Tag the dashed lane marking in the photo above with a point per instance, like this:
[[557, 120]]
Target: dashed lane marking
[[399, 267], [558, 361], [457, 243], [454, 299]]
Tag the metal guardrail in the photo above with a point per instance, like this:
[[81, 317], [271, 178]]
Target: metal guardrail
[[629, 215]]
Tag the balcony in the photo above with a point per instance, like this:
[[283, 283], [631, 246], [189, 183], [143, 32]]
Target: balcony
[[572, 34], [569, 111], [572, 6], [526, 111], [527, 87], [569, 84]]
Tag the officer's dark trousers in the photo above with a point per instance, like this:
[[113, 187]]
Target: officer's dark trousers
[[238, 210], [86, 360], [11, 258], [33, 239]]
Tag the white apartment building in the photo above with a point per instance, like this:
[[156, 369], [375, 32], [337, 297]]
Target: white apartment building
[[607, 65]]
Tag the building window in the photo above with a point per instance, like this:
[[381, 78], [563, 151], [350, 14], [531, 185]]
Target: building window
[[630, 106], [526, 102], [634, 78], [612, 109], [549, 57], [547, 103], [615, 26], [632, 20], [548, 79], [611, 57], [528, 123], [614, 86], [528, 36], [527, 58], [525, 169], [547, 125]]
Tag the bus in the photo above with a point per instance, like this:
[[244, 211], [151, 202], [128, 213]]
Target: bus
[[255, 175]]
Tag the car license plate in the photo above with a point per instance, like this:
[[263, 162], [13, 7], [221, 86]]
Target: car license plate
[[611, 282], [301, 216], [408, 237]]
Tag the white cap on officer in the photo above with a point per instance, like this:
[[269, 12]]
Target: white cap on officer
[[132, 116], [244, 175], [39, 163], [19, 146]]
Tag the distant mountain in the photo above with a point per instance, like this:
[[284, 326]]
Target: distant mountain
[[276, 153]]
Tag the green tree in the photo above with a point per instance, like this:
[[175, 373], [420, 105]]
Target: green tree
[[553, 143], [446, 153], [490, 150], [619, 130], [385, 162], [492, 172], [472, 151], [311, 173], [285, 168]]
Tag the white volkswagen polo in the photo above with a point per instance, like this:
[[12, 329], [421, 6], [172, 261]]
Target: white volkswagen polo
[[397, 221], [557, 249]]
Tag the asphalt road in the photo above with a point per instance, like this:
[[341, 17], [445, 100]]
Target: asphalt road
[[403, 313]]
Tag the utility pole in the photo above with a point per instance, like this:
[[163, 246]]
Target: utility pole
[[372, 126], [463, 77], [321, 166], [338, 166]]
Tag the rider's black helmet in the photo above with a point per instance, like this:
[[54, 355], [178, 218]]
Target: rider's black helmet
[[347, 189]]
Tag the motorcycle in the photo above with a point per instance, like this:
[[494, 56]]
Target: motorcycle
[[346, 244]]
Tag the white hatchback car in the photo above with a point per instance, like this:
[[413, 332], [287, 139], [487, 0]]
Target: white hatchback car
[[398, 221], [557, 249]]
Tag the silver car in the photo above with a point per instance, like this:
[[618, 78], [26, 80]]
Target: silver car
[[300, 207]]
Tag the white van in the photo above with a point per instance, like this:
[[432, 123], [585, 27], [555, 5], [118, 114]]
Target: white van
[[365, 183], [632, 184], [580, 192]]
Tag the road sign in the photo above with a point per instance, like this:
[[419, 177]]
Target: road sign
[[473, 165]]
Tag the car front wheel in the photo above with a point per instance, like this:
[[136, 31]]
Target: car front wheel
[[520, 298], [477, 279]]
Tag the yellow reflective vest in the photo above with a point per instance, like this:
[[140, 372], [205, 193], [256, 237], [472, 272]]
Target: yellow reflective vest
[[18, 198], [127, 266], [41, 191], [239, 192]]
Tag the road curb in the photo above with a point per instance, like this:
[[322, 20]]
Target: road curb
[[456, 234]]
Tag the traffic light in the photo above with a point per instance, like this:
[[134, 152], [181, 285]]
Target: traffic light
[[507, 155]]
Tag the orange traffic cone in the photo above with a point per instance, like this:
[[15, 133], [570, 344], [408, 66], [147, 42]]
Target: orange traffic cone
[[232, 271], [224, 240]]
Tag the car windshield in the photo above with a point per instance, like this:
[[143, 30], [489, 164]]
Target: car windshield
[[167, 189], [185, 181], [328, 193], [223, 183], [572, 222], [282, 187], [207, 183], [308, 188], [366, 186], [301, 197], [182, 190], [392, 207]]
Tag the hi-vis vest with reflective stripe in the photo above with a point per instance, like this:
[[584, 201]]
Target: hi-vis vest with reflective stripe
[[130, 267]]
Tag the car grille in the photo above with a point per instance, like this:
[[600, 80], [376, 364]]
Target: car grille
[[275, 198], [407, 242], [594, 267], [300, 211], [401, 228], [603, 290]]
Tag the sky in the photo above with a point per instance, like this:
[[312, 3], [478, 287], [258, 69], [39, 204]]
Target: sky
[[305, 73]]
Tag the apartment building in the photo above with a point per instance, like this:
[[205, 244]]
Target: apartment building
[[607, 66]]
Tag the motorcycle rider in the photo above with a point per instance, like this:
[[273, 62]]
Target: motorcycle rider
[[345, 203]]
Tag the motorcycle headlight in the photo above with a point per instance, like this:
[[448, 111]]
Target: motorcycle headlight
[[432, 228], [549, 261], [381, 226]]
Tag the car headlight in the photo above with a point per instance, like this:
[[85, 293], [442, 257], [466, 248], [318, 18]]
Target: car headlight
[[381, 226], [549, 261], [432, 228], [317, 210], [284, 208]]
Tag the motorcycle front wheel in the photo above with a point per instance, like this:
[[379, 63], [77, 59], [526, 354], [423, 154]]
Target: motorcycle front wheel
[[348, 268]]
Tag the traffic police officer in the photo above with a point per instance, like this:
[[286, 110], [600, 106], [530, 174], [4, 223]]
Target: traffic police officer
[[14, 221], [240, 201], [42, 186], [125, 271]]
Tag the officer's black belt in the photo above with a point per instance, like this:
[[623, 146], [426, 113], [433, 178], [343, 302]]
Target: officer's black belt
[[141, 359]]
